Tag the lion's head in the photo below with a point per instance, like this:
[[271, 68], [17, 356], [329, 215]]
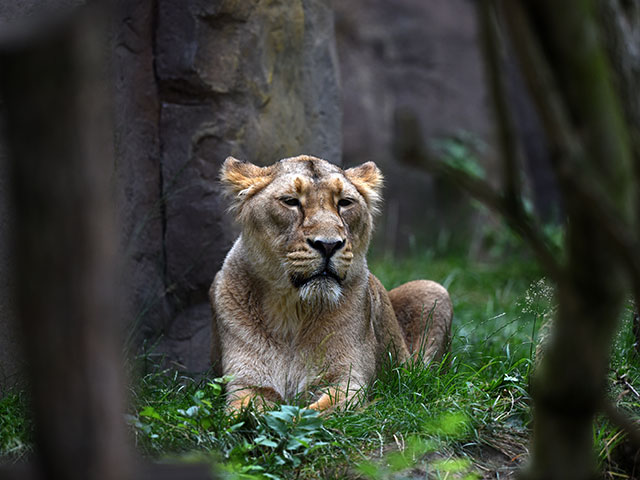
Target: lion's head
[[306, 223]]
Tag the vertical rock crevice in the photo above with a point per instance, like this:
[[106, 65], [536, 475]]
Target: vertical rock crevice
[[161, 181], [138, 193]]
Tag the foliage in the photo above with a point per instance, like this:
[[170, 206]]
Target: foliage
[[15, 427], [176, 414], [289, 435], [624, 389], [460, 151]]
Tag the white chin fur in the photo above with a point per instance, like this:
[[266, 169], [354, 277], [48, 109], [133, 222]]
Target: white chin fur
[[321, 293]]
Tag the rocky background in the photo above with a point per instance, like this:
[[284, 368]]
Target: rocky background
[[11, 365], [421, 59], [197, 80]]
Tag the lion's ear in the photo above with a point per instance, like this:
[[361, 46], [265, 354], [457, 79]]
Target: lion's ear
[[368, 180], [243, 179]]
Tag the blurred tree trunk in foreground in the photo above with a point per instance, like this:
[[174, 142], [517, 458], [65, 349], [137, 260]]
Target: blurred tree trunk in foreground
[[594, 151], [57, 105], [54, 82], [592, 162]]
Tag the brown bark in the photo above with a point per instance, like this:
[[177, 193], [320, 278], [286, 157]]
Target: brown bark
[[59, 135], [564, 64], [569, 386]]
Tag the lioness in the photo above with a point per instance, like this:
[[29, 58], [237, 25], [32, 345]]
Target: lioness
[[295, 308]]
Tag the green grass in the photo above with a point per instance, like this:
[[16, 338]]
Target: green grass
[[412, 413], [495, 304], [470, 414], [15, 427]]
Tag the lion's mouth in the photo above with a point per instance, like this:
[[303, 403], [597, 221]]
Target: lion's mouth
[[327, 274]]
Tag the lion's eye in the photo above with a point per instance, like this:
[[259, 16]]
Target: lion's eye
[[290, 201], [344, 202]]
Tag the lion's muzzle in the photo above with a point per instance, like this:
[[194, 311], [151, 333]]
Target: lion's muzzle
[[326, 274]]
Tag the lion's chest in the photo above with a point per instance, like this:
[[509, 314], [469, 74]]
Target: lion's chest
[[294, 370], [305, 353], [296, 348]]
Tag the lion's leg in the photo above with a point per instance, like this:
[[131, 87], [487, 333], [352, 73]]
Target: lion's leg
[[328, 399], [335, 395], [240, 398], [424, 311], [240, 401]]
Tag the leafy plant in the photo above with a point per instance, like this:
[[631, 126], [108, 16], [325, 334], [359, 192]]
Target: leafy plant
[[289, 434], [460, 151], [173, 414]]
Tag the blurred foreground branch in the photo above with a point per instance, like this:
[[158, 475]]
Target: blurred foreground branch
[[518, 219], [567, 150], [59, 136], [55, 88], [564, 63], [565, 66], [411, 148]]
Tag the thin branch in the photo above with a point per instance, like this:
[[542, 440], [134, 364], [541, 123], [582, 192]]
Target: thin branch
[[621, 35], [624, 379], [542, 86], [490, 40], [410, 148], [515, 215], [510, 202]]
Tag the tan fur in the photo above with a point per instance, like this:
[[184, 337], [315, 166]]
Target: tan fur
[[296, 312]]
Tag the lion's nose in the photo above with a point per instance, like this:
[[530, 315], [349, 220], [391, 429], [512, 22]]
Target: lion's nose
[[326, 246]]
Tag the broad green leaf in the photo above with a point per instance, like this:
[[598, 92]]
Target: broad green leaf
[[150, 412]]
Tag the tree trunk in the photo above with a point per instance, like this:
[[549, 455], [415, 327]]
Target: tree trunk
[[570, 384], [60, 138]]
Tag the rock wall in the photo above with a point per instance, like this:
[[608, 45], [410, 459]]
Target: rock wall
[[197, 81], [419, 57]]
